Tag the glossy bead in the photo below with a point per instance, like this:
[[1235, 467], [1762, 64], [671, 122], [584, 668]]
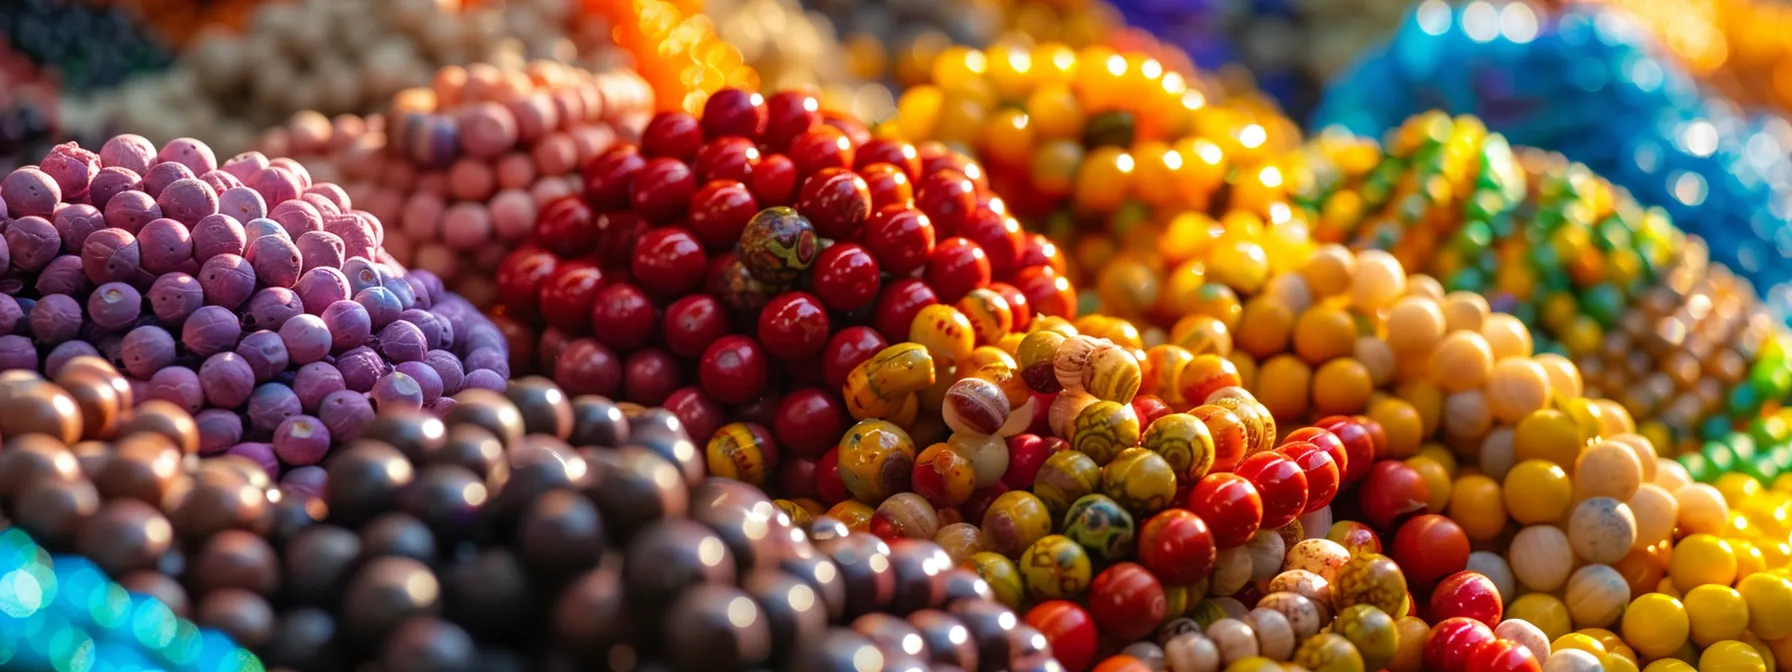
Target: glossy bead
[[905, 515], [1185, 442], [1055, 567], [1230, 505], [876, 459], [956, 267], [1374, 580], [1002, 576], [1431, 547], [1101, 525], [1322, 472], [1230, 440], [1140, 480], [733, 370], [1069, 628], [1126, 601], [846, 277], [794, 326], [1177, 546], [1280, 482], [943, 476], [1467, 594], [975, 406], [1452, 641], [1066, 477], [837, 201], [743, 452], [1016, 520], [778, 245]]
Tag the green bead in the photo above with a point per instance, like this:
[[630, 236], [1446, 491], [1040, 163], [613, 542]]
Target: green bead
[[1697, 467]]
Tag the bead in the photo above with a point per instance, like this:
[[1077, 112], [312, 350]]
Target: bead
[[1101, 525], [1003, 577], [944, 331], [1036, 356], [1371, 631], [1066, 477], [1014, 521], [943, 476], [1126, 601], [1281, 484], [742, 451], [989, 315], [1230, 505], [1069, 628], [1071, 361], [905, 515], [1230, 437], [975, 406], [1656, 625], [1140, 480], [778, 245], [1601, 530], [1103, 429], [1328, 652], [876, 459], [988, 456], [878, 386], [1056, 567], [1371, 579], [1432, 547], [1596, 596]]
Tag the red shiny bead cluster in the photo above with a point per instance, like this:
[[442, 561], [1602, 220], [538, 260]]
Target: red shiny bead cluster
[[736, 266]]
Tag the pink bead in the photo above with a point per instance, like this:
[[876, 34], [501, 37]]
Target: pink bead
[[467, 225], [470, 180], [515, 170], [556, 154], [421, 216], [513, 214]]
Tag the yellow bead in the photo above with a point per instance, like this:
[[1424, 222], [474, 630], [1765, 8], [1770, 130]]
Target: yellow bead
[[1656, 625], [1538, 492], [1579, 642], [1717, 613], [1769, 600], [1731, 656], [1055, 112], [1702, 559], [1542, 610], [1669, 665], [1437, 482], [1478, 505], [946, 333], [1550, 435], [1737, 488]]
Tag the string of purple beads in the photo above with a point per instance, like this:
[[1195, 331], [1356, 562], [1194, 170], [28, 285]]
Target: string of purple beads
[[243, 293]]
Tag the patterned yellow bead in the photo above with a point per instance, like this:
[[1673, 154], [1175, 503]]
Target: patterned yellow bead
[[1055, 568], [855, 514], [989, 314], [1112, 374], [1003, 577], [739, 451], [876, 460], [1140, 480], [1259, 424], [944, 331], [880, 386], [1065, 477], [1051, 323], [1006, 376], [800, 515], [1036, 356], [1202, 334], [1328, 652], [1184, 442], [1163, 363], [1103, 429]]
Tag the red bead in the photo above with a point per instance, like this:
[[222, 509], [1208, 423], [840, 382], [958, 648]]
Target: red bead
[[568, 293], [895, 153], [1281, 484], [828, 485], [520, 276], [821, 147], [692, 323], [701, 414], [1467, 594], [669, 261], [978, 504], [898, 305], [649, 376], [1322, 472], [662, 190], [1069, 629], [1026, 454], [1047, 292], [1392, 493], [719, 212], [566, 227], [617, 233], [1126, 601], [732, 111], [610, 177], [846, 350], [794, 325], [948, 198], [846, 277], [956, 267], [1039, 250], [520, 338], [733, 370], [888, 186], [1359, 444], [774, 181], [1230, 505], [1453, 641], [796, 477], [1000, 237], [1503, 655], [854, 131], [1354, 536], [789, 114], [674, 135], [809, 421], [900, 238], [728, 158], [588, 367], [837, 201], [762, 411], [1017, 304], [1326, 441], [1149, 408], [1378, 435], [1177, 545], [623, 316], [1430, 547]]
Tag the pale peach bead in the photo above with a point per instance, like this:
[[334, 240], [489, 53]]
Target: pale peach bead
[[1461, 362], [471, 180], [1507, 336], [1414, 325], [1656, 514], [1465, 311], [548, 189], [1419, 284], [556, 154], [467, 226], [1564, 376], [1670, 475], [513, 214], [421, 218], [1702, 509], [1517, 388], [592, 140], [1329, 271], [1378, 281], [515, 170]]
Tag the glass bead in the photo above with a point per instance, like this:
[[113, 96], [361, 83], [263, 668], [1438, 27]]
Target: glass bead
[[1103, 429], [743, 452], [1056, 568], [1066, 477], [944, 476], [1185, 444], [1371, 579], [1101, 525], [876, 460], [1003, 577], [1113, 374], [1140, 480], [1230, 437], [1014, 521]]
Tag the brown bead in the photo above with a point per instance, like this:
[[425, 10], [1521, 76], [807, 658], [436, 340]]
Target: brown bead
[[597, 421], [474, 449], [385, 592], [99, 368], [125, 535], [220, 499], [415, 433], [364, 481], [37, 407], [32, 458], [160, 586], [52, 511], [100, 403], [143, 467], [490, 410], [426, 644], [545, 409], [591, 615], [236, 559], [166, 419], [243, 615]]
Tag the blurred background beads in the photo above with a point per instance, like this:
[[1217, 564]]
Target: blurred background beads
[[792, 48], [84, 46], [1734, 46], [675, 47], [1587, 81]]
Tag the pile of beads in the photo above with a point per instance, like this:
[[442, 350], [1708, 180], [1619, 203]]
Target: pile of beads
[[333, 56], [766, 248], [793, 49], [86, 471], [85, 47], [464, 165], [1722, 44], [245, 294], [1586, 82], [676, 48]]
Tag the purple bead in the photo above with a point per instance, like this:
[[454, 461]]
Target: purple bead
[[29, 191], [270, 405], [129, 151], [301, 440], [211, 329], [109, 183], [419, 290], [115, 305], [275, 184], [276, 261], [378, 231], [402, 341], [484, 379], [165, 245], [357, 235], [430, 285], [447, 324], [63, 276], [361, 368], [131, 210], [482, 336], [17, 352], [324, 206], [493, 359], [297, 218], [362, 274], [331, 192], [226, 380], [448, 368], [177, 385], [320, 287], [188, 200], [319, 248], [242, 203], [163, 174], [271, 307], [259, 228], [220, 182], [146, 350], [262, 454], [74, 223], [191, 153], [346, 413], [218, 430], [174, 297], [227, 279], [349, 324], [32, 242], [266, 354], [62, 354], [72, 167], [428, 381], [306, 337], [245, 164], [307, 481], [11, 316], [442, 406], [292, 166], [314, 381], [397, 391], [426, 324], [382, 307], [217, 234], [111, 255], [56, 318]]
